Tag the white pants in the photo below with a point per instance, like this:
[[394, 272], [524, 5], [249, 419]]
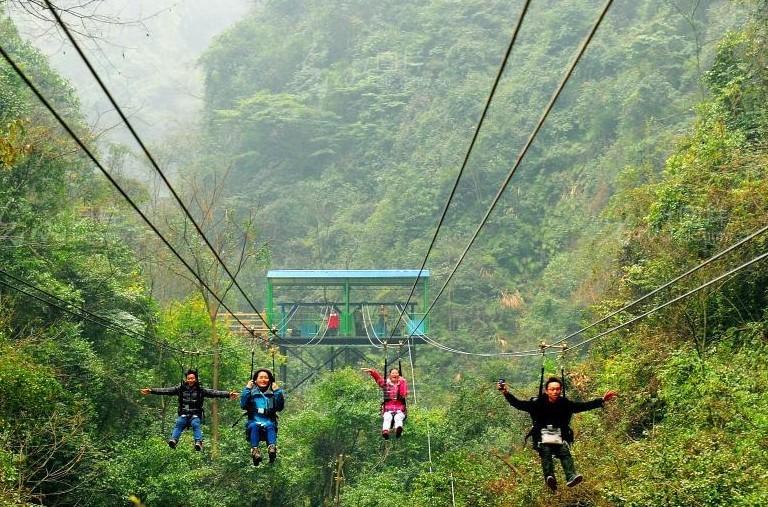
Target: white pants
[[399, 417]]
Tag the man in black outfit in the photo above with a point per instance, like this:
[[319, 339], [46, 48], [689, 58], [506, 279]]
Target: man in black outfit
[[552, 434]]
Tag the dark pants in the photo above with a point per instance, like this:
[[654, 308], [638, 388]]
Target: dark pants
[[561, 452]]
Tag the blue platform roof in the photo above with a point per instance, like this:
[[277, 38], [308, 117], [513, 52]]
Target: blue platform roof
[[342, 276]]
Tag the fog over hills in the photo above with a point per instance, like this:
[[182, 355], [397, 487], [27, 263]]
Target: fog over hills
[[145, 52]]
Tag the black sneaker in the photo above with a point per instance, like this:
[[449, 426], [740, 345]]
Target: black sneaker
[[199, 445], [272, 451], [385, 434], [172, 444], [398, 431], [552, 483], [256, 455], [577, 479]]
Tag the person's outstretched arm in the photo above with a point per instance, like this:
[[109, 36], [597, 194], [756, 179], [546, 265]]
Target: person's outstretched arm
[[212, 393], [160, 390], [518, 404], [583, 406], [376, 376]]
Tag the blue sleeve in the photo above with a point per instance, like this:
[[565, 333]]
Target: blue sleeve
[[245, 398], [279, 400]]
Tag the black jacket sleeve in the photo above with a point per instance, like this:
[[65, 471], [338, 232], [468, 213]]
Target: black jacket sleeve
[[164, 390], [524, 405], [212, 393], [582, 406]]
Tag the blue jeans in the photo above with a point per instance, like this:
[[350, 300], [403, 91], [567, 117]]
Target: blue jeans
[[185, 421], [563, 453], [262, 430]]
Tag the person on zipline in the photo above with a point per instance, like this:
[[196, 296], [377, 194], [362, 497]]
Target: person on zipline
[[191, 396], [393, 408], [262, 399], [552, 434]]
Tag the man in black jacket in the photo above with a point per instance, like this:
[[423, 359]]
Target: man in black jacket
[[191, 396], [552, 434]]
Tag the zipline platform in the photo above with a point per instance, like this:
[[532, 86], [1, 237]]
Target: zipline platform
[[325, 318], [346, 303]]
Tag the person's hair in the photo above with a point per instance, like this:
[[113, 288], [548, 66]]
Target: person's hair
[[550, 380], [191, 372], [395, 369], [269, 374]]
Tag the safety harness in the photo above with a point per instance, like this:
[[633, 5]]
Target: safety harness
[[268, 411], [390, 391], [191, 400]]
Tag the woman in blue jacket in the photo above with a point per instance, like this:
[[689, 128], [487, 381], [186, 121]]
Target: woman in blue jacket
[[262, 398]]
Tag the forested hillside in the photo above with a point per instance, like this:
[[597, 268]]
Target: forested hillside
[[332, 137], [383, 100]]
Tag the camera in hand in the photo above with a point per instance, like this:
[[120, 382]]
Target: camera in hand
[[500, 384]]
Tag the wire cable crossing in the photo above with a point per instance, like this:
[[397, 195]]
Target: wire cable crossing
[[152, 160]]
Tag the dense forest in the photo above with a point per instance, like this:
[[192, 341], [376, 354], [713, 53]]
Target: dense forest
[[614, 200]]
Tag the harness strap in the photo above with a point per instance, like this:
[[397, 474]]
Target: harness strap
[[543, 346], [562, 369], [251, 410]]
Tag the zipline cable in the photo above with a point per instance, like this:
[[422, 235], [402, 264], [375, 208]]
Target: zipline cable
[[370, 330], [662, 287], [151, 159], [634, 319], [99, 320], [464, 163], [102, 321], [114, 183], [522, 154], [678, 298], [83, 314], [523, 151]]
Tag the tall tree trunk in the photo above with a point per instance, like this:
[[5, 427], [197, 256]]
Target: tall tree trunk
[[215, 408]]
